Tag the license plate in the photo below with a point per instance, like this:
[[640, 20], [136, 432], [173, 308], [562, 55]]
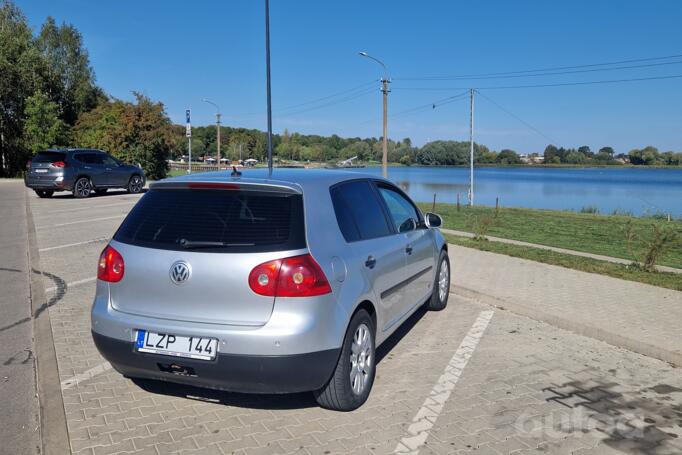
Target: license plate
[[176, 345], [41, 171]]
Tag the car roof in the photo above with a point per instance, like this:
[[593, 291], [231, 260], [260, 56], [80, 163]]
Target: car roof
[[306, 179]]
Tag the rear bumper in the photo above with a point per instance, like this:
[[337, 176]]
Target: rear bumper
[[45, 183], [230, 372]]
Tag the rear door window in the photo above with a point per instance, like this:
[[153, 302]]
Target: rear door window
[[361, 202], [400, 209], [48, 157], [215, 221]]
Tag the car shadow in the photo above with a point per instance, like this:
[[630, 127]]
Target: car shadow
[[266, 401]]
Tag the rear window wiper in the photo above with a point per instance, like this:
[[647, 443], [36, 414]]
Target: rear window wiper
[[193, 244]]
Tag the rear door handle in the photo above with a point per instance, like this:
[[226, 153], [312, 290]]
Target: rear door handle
[[408, 249], [370, 262]]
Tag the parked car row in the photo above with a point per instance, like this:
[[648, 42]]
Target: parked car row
[[80, 171]]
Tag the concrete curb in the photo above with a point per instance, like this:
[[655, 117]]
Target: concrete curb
[[54, 433], [615, 339]]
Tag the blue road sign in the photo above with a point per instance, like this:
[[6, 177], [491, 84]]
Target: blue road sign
[[187, 115]]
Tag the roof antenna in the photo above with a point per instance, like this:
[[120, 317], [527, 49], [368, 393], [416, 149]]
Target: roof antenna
[[235, 172]]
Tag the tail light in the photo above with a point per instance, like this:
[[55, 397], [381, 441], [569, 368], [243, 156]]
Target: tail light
[[298, 276], [111, 266], [58, 164]]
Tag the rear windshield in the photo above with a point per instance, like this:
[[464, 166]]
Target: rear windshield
[[48, 157], [207, 220]]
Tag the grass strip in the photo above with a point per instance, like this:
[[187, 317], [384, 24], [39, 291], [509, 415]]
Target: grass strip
[[622, 271]]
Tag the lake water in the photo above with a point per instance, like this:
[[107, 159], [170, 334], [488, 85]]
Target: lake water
[[641, 191]]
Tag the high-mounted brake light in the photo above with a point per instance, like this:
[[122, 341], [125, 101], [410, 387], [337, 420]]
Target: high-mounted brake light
[[111, 265], [298, 276], [212, 186], [58, 164]]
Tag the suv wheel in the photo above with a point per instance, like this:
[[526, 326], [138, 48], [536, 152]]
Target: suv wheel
[[135, 184], [44, 193], [353, 377], [82, 187], [441, 286]]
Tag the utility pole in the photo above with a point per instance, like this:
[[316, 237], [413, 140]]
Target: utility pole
[[471, 148], [188, 133], [384, 159], [267, 74], [384, 89], [217, 122]]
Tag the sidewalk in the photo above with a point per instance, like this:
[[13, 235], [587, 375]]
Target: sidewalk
[[599, 257], [19, 433], [642, 318]]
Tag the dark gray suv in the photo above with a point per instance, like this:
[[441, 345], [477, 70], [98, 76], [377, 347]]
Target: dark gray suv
[[80, 171]]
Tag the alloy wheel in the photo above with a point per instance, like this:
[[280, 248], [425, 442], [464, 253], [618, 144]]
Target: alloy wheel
[[443, 280], [361, 359], [83, 187]]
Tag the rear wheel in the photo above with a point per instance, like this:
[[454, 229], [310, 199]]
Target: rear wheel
[[135, 184], [441, 286], [82, 188], [100, 191], [44, 193], [353, 377]]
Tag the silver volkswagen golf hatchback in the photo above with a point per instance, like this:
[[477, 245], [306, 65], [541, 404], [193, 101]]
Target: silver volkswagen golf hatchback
[[267, 285]]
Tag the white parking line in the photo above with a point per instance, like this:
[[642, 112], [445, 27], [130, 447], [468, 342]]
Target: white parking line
[[72, 284], [92, 372], [100, 239], [89, 207], [81, 221], [427, 415]]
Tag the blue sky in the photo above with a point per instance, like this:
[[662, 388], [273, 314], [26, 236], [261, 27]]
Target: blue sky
[[180, 52]]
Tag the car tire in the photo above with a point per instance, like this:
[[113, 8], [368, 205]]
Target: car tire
[[441, 285], [100, 191], [82, 188], [353, 376], [44, 193], [135, 184]]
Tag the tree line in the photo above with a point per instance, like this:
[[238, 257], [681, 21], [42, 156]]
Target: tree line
[[49, 98]]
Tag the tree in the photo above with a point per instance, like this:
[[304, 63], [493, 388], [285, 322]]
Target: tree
[[18, 81], [507, 156], [605, 154], [134, 132], [68, 79], [585, 150], [574, 157], [647, 156], [43, 128], [551, 152]]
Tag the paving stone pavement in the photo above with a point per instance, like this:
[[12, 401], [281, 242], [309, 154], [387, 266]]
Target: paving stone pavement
[[642, 317], [528, 388]]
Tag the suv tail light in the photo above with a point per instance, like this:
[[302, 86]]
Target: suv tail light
[[111, 266], [58, 164], [298, 276]]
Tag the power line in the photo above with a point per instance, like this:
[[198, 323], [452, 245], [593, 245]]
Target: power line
[[551, 73], [331, 103], [508, 112], [561, 84], [555, 68]]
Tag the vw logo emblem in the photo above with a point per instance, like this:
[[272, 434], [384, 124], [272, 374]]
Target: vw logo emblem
[[180, 272]]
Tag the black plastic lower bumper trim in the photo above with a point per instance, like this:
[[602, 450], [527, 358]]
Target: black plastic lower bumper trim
[[231, 372]]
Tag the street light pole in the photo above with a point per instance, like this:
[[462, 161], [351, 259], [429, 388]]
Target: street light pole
[[471, 148], [267, 71], [217, 122], [384, 89]]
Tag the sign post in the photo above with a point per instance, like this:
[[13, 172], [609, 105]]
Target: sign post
[[188, 133]]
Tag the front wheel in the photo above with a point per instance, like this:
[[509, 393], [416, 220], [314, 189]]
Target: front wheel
[[44, 193], [135, 184], [441, 286], [82, 188], [353, 376]]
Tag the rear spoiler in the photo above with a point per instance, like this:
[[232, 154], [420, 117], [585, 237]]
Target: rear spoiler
[[226, 186]]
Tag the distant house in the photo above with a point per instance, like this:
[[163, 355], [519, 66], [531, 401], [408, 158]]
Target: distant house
[[532, 158]]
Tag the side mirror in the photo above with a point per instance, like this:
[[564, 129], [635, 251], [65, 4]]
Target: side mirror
[[432, 220], [408, 225]]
